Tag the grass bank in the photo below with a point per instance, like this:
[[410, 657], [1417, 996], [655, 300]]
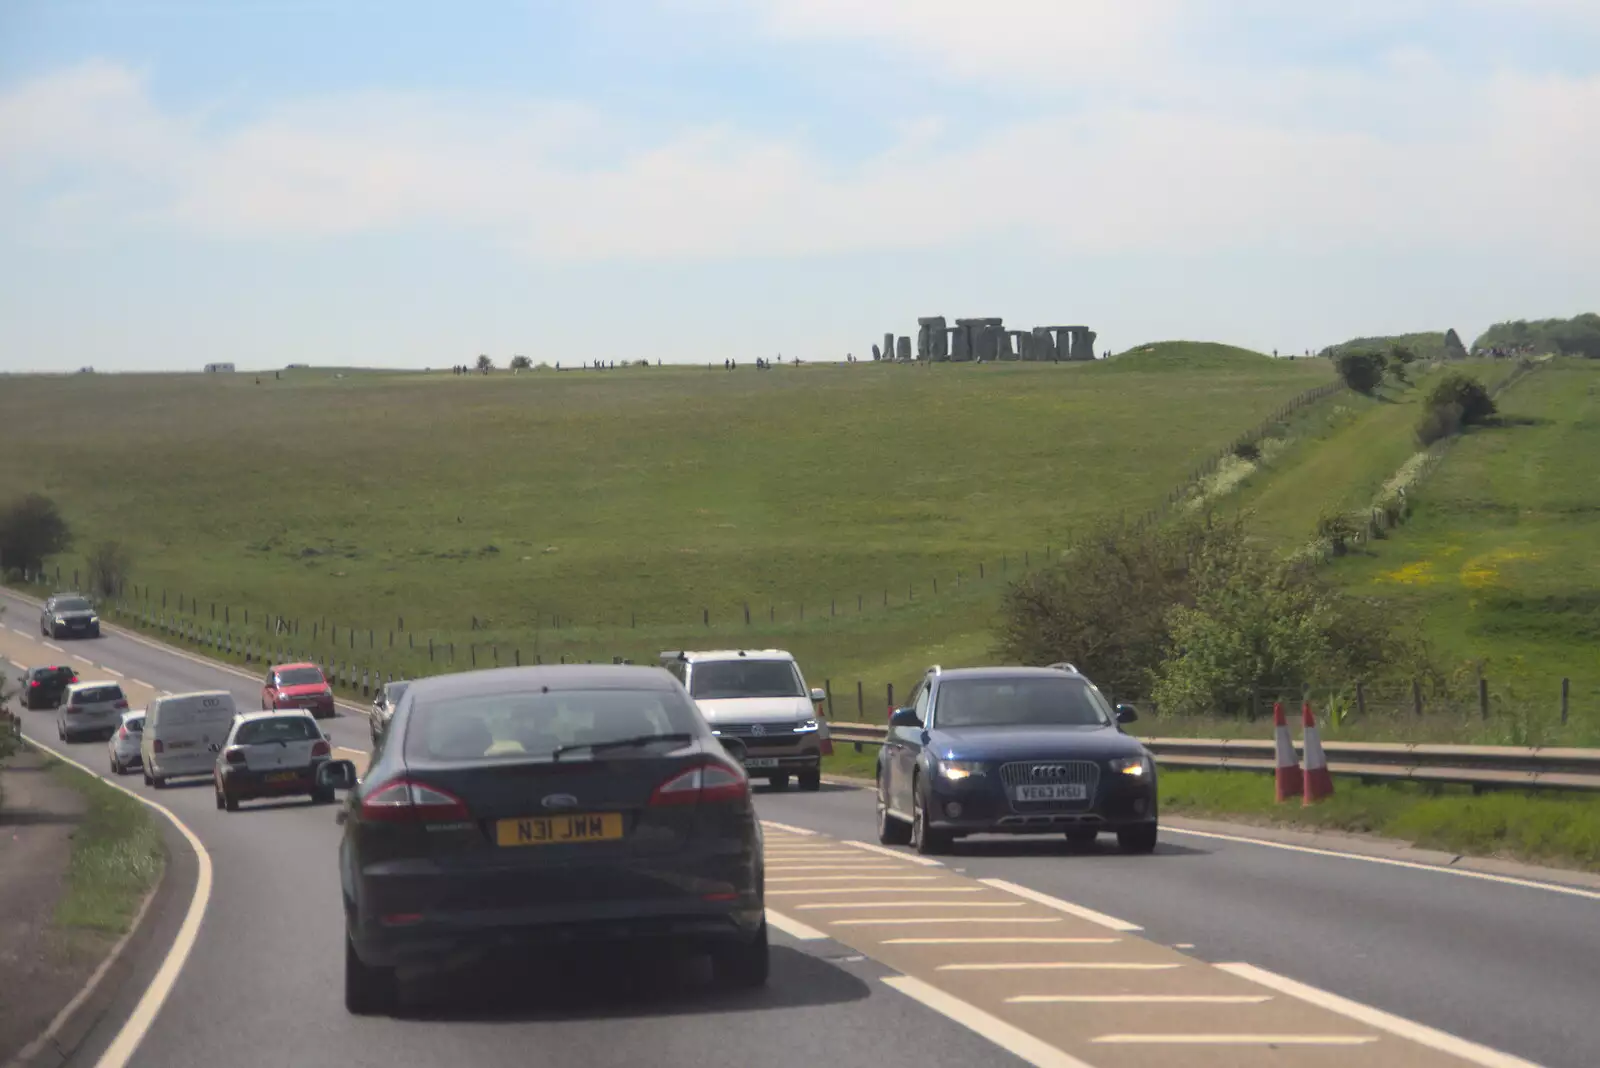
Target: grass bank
[[117, 858], [1562, 829]]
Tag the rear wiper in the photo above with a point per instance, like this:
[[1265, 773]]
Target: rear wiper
[[620, 743]]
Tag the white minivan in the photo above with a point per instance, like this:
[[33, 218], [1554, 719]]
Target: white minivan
[[182, 733]]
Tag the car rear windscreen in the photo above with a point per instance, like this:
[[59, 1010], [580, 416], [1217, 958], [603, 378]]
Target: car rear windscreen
[[277, 729], [1034, 702], [96, 695], [307, 676], [524, 724], [719, 679]]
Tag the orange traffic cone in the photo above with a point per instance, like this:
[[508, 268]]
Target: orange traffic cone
[[1288, 773], [1319, 784]]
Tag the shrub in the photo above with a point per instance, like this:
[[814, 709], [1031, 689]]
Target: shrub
[[32, 528], [1437, 424], [521, 363], [1247, 451], [485, 363], [1467, 394], [1338, 529], [108, 562], [1362, 369]]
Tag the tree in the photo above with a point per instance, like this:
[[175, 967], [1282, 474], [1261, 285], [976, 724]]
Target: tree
[[32, 528], [1465, 393], [109, 562], [521, 363], [1362, 369], [485, 363]]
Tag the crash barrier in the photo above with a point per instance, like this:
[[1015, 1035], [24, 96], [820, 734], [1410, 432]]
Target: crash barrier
[[1482, 767]]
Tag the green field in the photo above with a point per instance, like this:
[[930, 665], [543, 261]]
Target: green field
[[593, 514]]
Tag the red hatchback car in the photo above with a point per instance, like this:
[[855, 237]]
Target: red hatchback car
[[298, 686]]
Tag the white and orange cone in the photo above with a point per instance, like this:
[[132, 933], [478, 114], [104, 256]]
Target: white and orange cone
[[1318, 782], [1288, 772]]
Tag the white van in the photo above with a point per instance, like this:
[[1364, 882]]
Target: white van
[[182, 734]]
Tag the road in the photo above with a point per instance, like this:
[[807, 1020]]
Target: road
[[1511, 967]]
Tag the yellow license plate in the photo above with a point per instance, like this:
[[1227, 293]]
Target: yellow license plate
[[559, 830]]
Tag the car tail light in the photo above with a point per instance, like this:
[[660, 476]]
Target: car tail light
[[711, 781], [157, 747], [34, 685], [121, 705], [320, 749], [405, 801], [232, 756]]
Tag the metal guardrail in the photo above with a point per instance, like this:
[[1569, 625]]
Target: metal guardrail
[[1483, 767]]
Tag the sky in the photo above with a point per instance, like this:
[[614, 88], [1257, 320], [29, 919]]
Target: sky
[[407, 184]]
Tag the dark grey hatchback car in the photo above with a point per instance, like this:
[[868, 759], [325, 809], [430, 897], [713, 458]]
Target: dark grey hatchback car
[[518, 807]]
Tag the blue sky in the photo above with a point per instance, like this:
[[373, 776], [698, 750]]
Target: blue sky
[[412, 184]]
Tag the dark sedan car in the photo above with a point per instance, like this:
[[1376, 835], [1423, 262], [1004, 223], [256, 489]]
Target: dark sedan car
[[1013, 751], [515, 807], [69, 615], [43, 687]]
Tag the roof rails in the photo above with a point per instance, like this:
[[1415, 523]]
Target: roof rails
[[1064, 666]]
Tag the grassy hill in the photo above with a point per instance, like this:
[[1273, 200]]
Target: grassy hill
[[1428, 345], [1186, 356], [601, 513]]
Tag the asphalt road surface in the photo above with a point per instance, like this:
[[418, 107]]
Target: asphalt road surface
[[1515, 968]]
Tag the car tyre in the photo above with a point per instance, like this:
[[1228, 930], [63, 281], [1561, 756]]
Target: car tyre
[[221, 804], [925, 839], [891, 831], [810, 781], [742, 965], [158, 781], [778, 782], [368, 991], [116, 769], [146, 775], [1140, 839]]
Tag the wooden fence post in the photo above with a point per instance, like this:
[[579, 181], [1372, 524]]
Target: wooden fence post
[[861, 703], [1416, 696], [1483, 697], [1566, 687], [827, 688]]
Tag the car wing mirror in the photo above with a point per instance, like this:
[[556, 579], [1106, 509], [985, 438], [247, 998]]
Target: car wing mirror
[[904, 717], [734, 747], [818, 695], [336, 775], [1127, 713]]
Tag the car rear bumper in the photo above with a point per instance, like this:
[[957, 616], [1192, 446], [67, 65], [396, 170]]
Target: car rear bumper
[[244, 784], [92, 724]]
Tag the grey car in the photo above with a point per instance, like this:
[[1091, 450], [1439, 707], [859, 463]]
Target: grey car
[[90, 709], [553, 804], [69, 615]]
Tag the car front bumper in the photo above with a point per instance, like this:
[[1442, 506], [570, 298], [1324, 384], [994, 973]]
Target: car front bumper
[[983, 807]]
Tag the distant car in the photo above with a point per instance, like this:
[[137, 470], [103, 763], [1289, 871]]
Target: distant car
[[69, 615], [123, 744], [90, 708], [298, 686], [383, 706], [42, 687], [271, 754], [1013, 751], [759, 697], [515, 807]]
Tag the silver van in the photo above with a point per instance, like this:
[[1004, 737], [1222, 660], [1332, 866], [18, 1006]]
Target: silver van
[[183, 733]]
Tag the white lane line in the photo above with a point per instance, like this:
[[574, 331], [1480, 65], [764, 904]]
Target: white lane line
[[140, 682], [853, 867], [1384, 1021], [883, 890], [1138, 999], [914, 905], [852, 878], [910, 858], [1062, 906], [1235, 1040], [155, 995], [801, 831], [903, 920], [52, 646], [1013, 1040], [1008, 940], [1464, 873], [794, 928], [1056, 966]]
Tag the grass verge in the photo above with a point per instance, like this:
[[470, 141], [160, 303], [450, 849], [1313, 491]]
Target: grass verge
[[116, 858], [1551, 828]]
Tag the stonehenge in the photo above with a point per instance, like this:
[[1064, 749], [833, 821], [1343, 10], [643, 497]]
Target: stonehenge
[[987, 340]]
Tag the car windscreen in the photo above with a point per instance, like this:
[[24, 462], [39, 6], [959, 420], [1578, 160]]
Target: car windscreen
[[277, 729], [306, 676], [1032, 702], [533, 724], [73, 604], [718, 679], [394, 691], [96, 695]]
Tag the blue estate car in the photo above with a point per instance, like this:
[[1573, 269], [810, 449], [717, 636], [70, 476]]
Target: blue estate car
[[1013, 751]]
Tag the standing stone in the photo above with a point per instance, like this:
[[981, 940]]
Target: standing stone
[[1042, 346], [1083, 343], [938, 333], [922, 341], [876, 355], [966, 347], [888, 346], [953, 336], [1016, 345], [902, 348]]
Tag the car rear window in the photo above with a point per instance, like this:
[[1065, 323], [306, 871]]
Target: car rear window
[[134, 724], [524, 724], [277, 729], [95, 695], [1033, 702], [717, 679], [305, 676]]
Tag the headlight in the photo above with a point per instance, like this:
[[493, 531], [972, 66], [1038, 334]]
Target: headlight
[[956, 770], [806, 727], [1138, 766], [62, 620], [94, 619]]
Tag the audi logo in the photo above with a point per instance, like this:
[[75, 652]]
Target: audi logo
[[1048, 771]]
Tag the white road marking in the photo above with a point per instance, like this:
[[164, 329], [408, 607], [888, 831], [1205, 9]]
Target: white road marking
[[852, 867], [914, 905], [1013, 1040], [1464, 873], [1183, 945], [1236, 1040], [1384, 1021], [801, 831], [1062, 906], [902, 920], [1138, 999], [1009, 940], [155, 995], [1056, 966], [52, 646], [140, 682], [851, 878], [884, 890], [794, 928], [113, 672], [910, 858]]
